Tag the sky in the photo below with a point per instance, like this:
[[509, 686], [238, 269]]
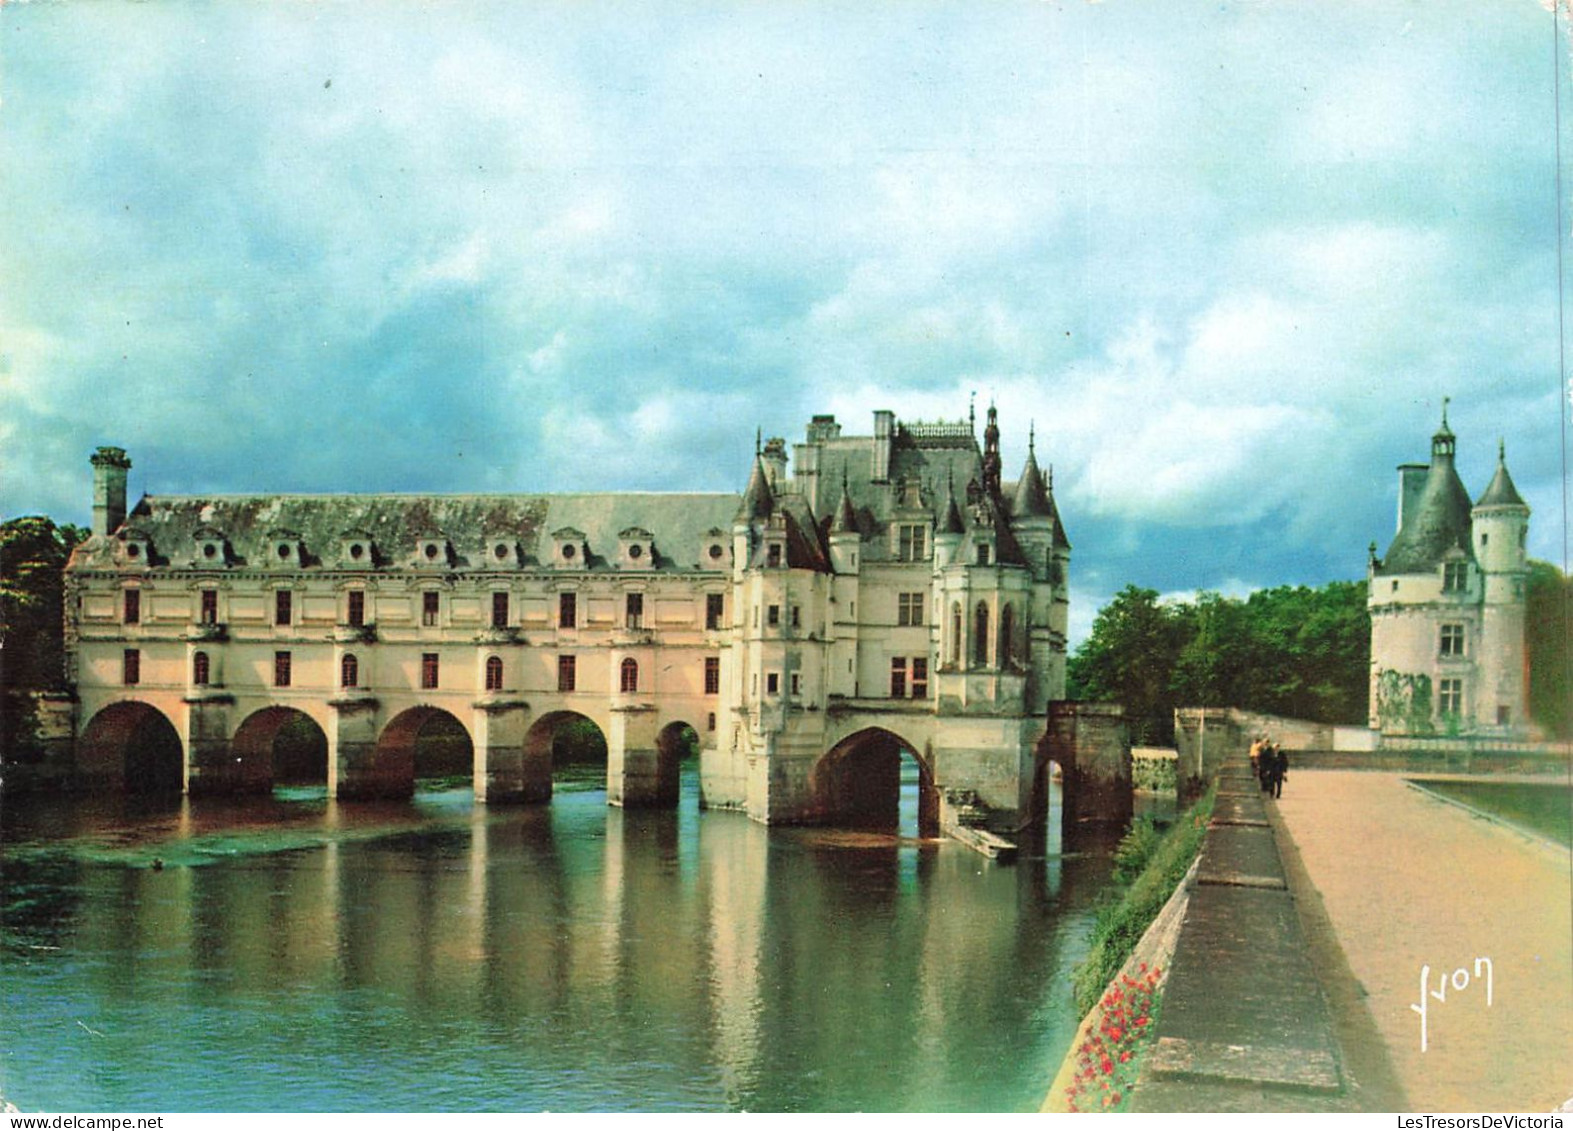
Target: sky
[[1226, 259]]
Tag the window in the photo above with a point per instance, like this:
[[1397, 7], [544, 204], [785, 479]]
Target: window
[[567, 610], [429, 607], [283, 606], [712, 675], [1504, 715], [710, 721], [565, 673], [797, 684], [1007, 630], [773, 555], [357, 607], [898, 677], [629, 682], [133, 606], [920, 677], [349, 671], [1452, 640], [209, 614], [955, 635], [499, 610], [200, 669], [1455, 577], [131, 667], [493, 673], [715, 606], [281, 669], [983, 554], [980, 634], [773, 683], [428, 669], [909, 608], [913, 544], [1452, 698], [797, 617], [773, 615], [634, 617]]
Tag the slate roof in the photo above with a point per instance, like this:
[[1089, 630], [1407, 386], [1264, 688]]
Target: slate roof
[[1500, 492], [679, 523], [1438, 523]]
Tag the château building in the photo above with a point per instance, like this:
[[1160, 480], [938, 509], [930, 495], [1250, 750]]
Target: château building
[[1447, 605], [890, 595]]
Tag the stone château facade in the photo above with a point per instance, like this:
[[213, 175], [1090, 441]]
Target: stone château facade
[[891, 594], [1447, 605]]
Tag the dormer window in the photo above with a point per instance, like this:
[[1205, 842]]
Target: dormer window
[[355, 549], [136, 546], [714, 552], [569, 550], [912, 541], [775, 555], [432, 551], [209, 552], [502, 553], [286, 549], [1455, 577], [636, 548]]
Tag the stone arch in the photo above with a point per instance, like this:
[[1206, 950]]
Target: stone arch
[[277, 745], [419, 743], [857, 784], [561, 740], [131, 746], [677, 741]]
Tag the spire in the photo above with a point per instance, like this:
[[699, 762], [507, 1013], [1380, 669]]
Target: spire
[[991, 454], [846, 520], [1501, 492], [950, 522], [1443, 443], [1032, 499], [1439, 521], [757, 499]]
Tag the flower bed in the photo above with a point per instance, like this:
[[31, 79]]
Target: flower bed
[[1108, 1057]]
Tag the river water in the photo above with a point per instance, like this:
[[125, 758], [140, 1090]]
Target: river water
[[296, 954]]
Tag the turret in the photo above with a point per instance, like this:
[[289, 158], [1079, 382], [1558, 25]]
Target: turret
[[845, 536], [110, 466], [991, 455], [948, 529], [1501, 524]]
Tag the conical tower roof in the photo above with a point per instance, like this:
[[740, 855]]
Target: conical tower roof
[[1061, 540], [950, 521], [846, 519], [1032, 500], [758, 502], [1501, 492], [1440, 520]]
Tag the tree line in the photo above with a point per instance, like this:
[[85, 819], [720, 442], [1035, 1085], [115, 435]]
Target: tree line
[[1293, 650]]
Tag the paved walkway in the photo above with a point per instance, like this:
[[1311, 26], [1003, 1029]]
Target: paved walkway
[[1408, 881]]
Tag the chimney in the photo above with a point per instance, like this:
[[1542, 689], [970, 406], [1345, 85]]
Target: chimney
[[775, 458], [884, 440], [109, 489]]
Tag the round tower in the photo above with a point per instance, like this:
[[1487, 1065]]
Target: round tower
[[1501, 534]]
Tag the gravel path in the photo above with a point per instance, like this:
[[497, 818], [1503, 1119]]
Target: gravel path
[[1408, 881]]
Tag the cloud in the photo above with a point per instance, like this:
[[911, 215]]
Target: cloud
[[1227, 262]]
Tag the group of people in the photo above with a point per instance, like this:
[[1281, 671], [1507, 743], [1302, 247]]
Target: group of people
[[1271, 764]]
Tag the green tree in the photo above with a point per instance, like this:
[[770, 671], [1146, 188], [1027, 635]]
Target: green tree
[[1548, 640], [33, 551], [1129, 659], [1290, 650]]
